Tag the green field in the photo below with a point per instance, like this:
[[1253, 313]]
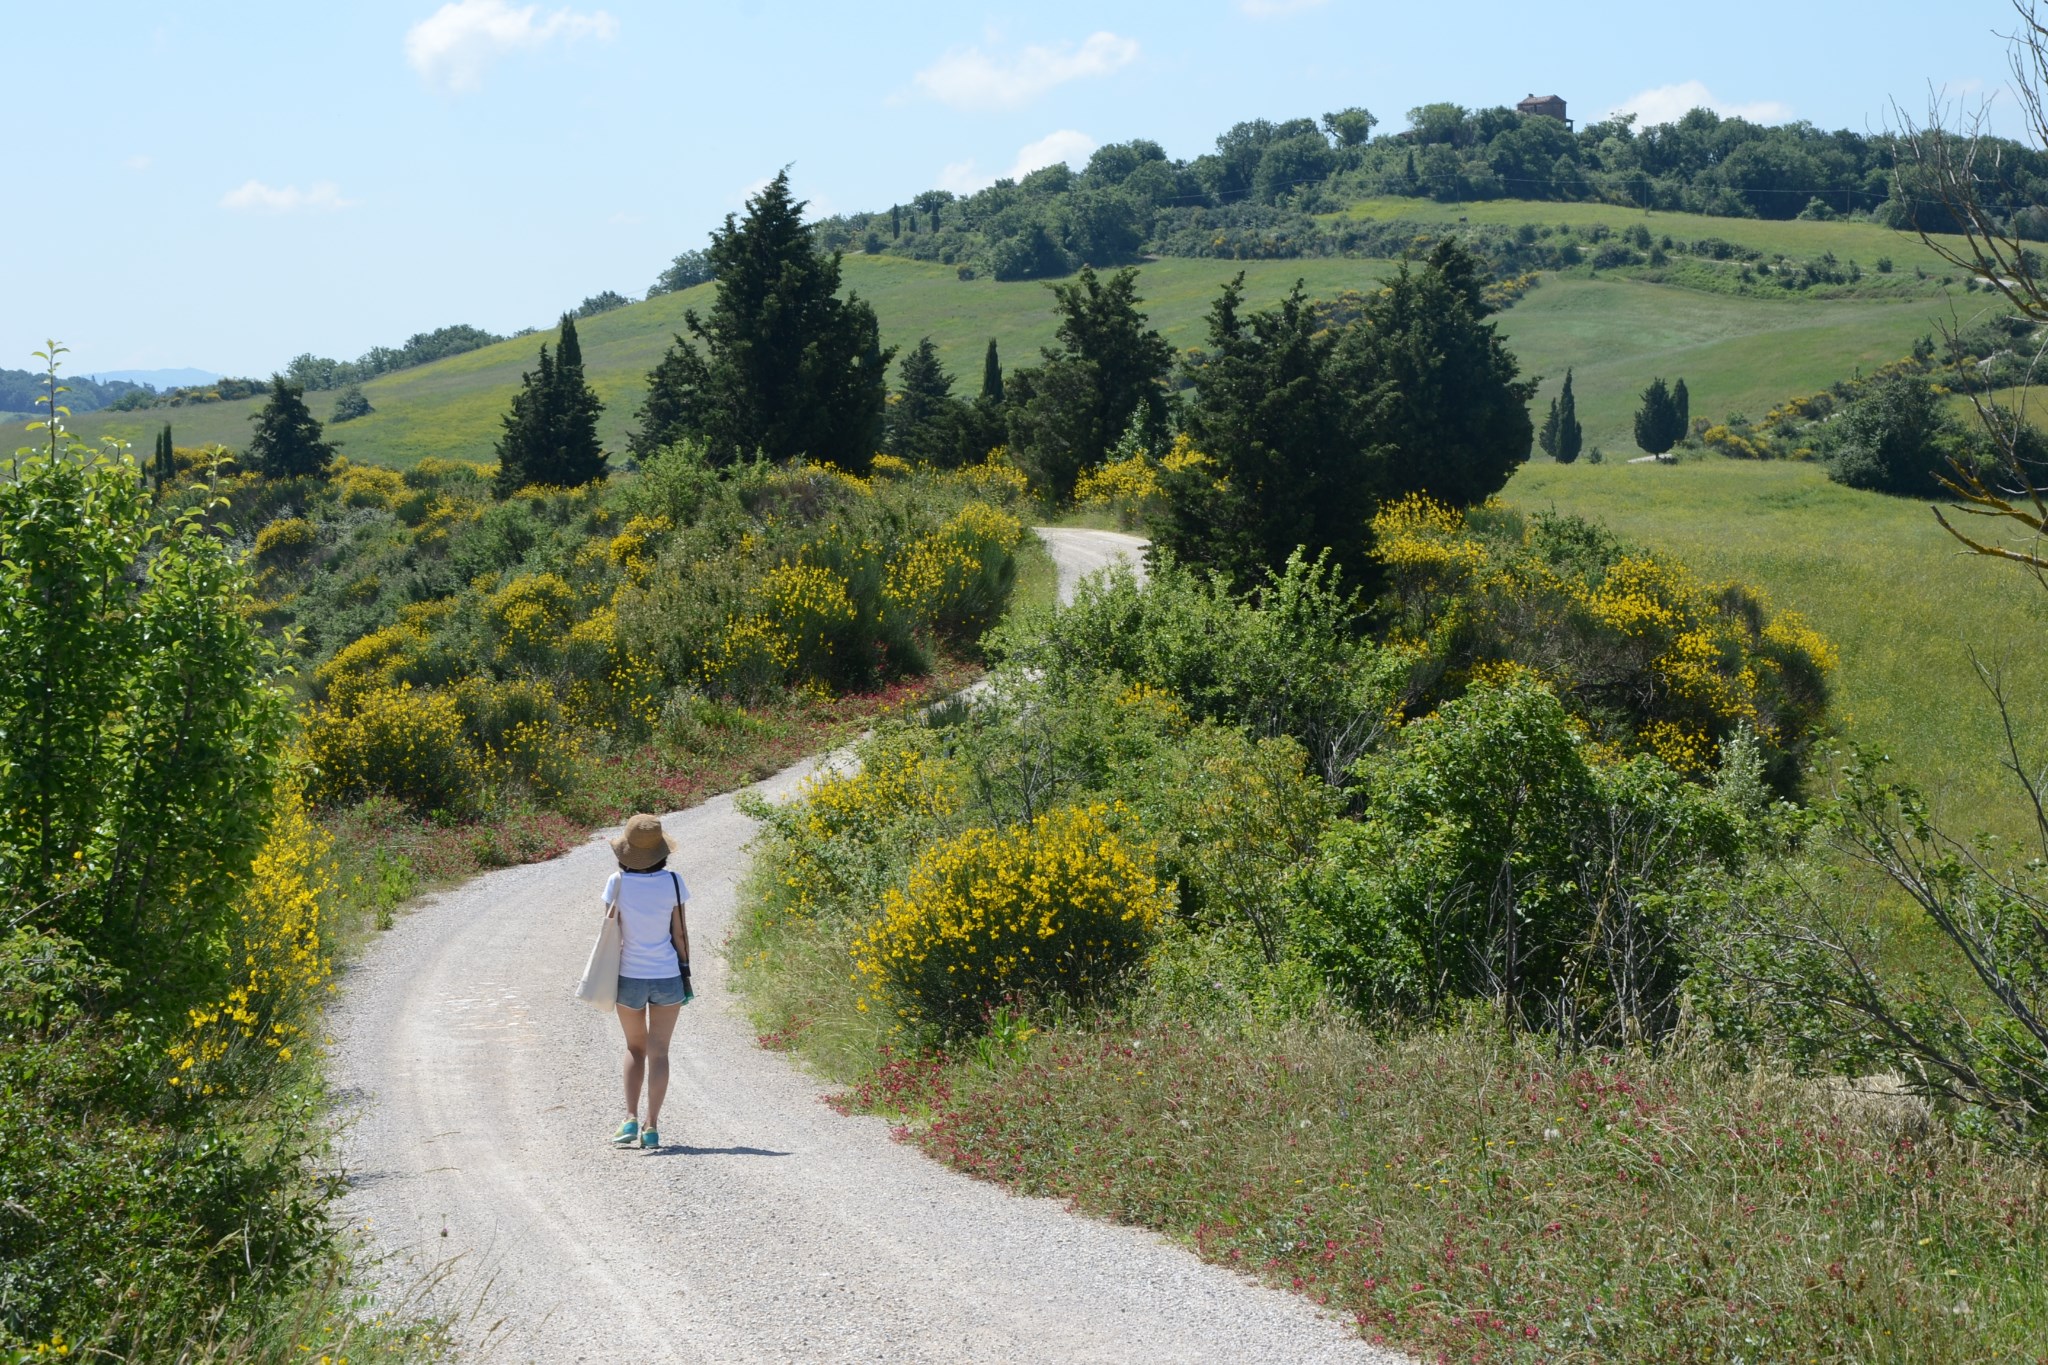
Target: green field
[[452, 407], [1876, 575]]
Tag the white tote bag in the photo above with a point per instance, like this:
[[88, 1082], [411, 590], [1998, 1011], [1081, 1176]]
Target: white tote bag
[[600, 984]]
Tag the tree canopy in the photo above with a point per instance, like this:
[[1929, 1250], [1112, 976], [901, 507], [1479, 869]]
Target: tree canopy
[[288, 442], [550, 433]]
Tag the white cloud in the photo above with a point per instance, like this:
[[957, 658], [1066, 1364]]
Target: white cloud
[[1068, 145], [451, 47], [969, 78], [1669, 103], [1273, 9], [256, 197]]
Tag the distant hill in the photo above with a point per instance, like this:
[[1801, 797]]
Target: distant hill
[[1741, 345], [160, 379]]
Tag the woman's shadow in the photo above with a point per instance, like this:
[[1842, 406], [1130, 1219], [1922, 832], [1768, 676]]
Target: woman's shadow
[[679, 1149]]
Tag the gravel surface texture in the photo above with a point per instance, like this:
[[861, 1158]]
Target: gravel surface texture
[[477, 1097]]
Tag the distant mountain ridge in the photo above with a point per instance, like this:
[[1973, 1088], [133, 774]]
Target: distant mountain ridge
[[159, 379]]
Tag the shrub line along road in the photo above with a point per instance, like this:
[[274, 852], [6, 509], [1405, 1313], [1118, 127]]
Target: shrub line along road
[[477, 1096]]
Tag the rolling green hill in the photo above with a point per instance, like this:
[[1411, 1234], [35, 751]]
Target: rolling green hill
[[1737, 352]]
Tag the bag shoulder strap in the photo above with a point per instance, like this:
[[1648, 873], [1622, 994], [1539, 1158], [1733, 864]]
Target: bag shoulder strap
[[679, 889]]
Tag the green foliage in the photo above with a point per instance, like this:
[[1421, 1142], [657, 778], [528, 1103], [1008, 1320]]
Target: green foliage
[[991, 375], [1107, 366], [288, 442], [686, 271], [141, 717], [1307, 430], [351, 405], [550, 435], [786, 367], [309, 371], [927, 425], [1658, 424], [1896, 439], [1496, 862]]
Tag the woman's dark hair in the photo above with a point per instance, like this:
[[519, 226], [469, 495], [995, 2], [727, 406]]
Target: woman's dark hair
[[658, 867]]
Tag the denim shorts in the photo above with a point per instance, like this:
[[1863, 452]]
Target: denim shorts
[[638, 992]]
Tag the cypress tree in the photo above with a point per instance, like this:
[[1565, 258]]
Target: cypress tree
[[895, 221], [1570, 435], [1681, 403], [1656, 419], [1546, 436], [991, 375], [166, 459], [924, 422], [288, 442], [551, 431]]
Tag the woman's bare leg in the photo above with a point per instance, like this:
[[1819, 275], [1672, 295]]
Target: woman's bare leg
[[635, 1024], [660, 1026]]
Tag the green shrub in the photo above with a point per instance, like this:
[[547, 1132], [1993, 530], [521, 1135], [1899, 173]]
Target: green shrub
[[411, 746], [1496, 862]]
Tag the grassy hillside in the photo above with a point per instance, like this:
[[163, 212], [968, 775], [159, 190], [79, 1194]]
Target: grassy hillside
[[452, 407], [1875, 574]]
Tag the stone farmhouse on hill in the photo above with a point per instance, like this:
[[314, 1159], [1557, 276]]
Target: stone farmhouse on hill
[[1549, 106]]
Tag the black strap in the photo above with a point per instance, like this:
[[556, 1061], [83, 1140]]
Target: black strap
[[685, 963]]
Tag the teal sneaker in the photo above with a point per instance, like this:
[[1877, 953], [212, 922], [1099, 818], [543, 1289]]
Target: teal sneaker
[[628, 1133], [650, 1138]]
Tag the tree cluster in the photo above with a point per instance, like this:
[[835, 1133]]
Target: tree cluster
[[310, 371], [1663, 417], [1561, 436]]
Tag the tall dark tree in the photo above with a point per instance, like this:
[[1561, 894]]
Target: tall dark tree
[[551, 431], [288, 442], [925, 421], [1443, 399], [991, 374], [782, 365], [895, 221], [164, 467], [1681, 403], [1309, 429], [1571, 437], [1290, 464], [1657, 426], [1108, 366], [1546, 435]]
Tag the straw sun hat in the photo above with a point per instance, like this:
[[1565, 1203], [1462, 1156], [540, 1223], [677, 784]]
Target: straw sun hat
[[642, 845]]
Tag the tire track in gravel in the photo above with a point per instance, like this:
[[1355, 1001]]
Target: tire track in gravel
[[477, 1096]]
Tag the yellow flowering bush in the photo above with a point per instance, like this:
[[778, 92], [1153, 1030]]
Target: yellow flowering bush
[[994, 478], [367, 485], [286, 541], [277, 956], [1060, 907], [834, 847], [530, 615], [750, 658], [1643, 651], [412, 746], [370, 662], [955, 580], [812, 611]]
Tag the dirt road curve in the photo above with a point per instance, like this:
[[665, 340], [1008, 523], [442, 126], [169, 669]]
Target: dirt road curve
[[769, 1228]]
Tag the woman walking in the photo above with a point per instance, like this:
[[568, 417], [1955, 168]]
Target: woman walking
[[654, 968]]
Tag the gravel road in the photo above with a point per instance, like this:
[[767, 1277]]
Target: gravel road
[[479, 1095]]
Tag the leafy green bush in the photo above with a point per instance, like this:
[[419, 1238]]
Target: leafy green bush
[[408, 745], [1496, 861]]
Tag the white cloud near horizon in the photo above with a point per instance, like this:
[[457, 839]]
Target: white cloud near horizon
[[1274, 9], [452, 47], [1068, 145], [1669, 103], [253, 196], [968, 78]]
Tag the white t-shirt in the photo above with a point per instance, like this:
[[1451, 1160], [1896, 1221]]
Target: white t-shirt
[[645, 901]]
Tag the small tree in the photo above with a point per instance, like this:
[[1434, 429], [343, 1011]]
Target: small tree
[[991, 375], [288, 442], [1571, 437], [165, 464], [1657, 428], [551, 431], [1681, 403], [351, 405], [1546, 435], [924, 422]]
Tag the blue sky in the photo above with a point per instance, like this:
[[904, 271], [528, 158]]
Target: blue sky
[[231, 184]]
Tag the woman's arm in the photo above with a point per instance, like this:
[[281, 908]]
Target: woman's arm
[[679, 934]]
